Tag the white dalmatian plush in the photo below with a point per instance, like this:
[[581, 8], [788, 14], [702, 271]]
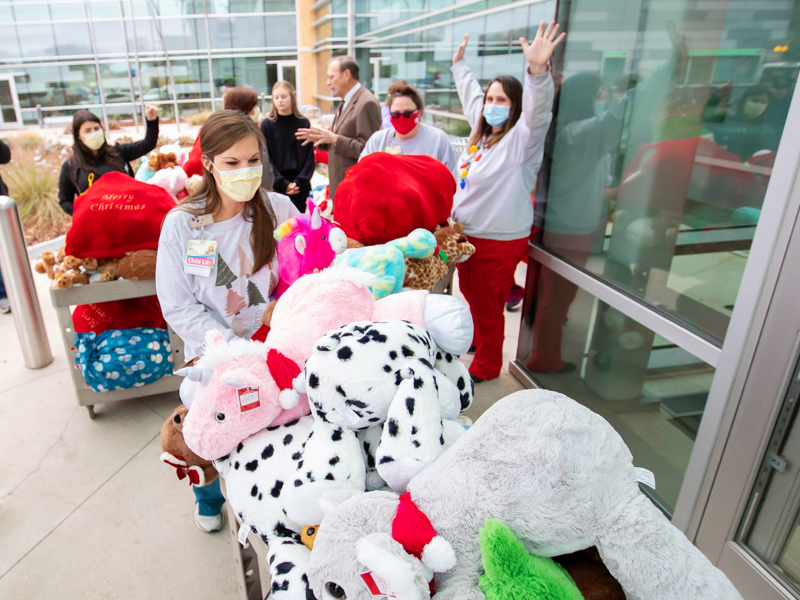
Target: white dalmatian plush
[[256, 474], [371, 382]]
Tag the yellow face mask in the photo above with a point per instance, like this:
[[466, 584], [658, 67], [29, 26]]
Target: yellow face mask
[[239, 185], [94, 140], [256, 114]]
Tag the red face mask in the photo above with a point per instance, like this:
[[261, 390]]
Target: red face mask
[[403, 124]]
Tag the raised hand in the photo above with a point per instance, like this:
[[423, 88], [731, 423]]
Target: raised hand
[[459, 55], [151, 112], [539, 51]]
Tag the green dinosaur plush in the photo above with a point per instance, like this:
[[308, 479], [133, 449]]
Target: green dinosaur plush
[[512, 573]]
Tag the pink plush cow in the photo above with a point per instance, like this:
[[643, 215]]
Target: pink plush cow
[[305, 244], [222, 412]]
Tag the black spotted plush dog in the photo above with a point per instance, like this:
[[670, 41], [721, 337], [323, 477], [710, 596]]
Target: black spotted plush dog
[[385, 401], [256, 475]]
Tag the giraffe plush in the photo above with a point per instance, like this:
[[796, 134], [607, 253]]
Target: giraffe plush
[[424, 273]]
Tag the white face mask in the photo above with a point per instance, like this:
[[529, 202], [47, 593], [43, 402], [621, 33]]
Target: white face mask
[[94, 140], [239, 185]]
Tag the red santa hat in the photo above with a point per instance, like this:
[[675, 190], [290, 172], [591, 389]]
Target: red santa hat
[[385, 197], [286, 374], [413, 530]]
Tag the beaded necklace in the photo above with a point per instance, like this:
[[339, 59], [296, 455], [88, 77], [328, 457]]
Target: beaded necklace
[[473, 155]]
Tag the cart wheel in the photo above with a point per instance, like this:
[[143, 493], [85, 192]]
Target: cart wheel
[[90, 408]]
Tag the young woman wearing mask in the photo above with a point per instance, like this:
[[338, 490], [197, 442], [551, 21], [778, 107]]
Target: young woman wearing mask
[[92, 157], [231, 215], [751, 128], [408, 135], [245, 100], [292, 163], [496, 175]]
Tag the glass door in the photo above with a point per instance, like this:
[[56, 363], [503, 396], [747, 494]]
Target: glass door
[[750, 525], [9, 103], [282, 70]]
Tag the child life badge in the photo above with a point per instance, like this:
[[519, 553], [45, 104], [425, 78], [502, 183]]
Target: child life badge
[[201, 256], [249, 398]]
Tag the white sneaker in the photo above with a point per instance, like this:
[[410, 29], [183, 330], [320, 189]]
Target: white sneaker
[[5, 307], [207, 524]]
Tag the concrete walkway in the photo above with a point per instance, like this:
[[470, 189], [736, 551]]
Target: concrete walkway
[[86, 508]]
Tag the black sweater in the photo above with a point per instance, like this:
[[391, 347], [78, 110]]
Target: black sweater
[[5, 157], [291, 161], [69, 188]]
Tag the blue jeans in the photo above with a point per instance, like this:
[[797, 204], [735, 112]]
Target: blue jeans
[[210, 498], [2, 287]]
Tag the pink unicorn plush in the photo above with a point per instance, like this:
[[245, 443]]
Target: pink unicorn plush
[[225, 409], [305, 244]]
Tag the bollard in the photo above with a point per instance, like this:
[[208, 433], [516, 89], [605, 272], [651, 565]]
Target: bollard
[[18, 280]]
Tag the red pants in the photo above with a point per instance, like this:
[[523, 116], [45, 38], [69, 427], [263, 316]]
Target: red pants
[[485, 280]]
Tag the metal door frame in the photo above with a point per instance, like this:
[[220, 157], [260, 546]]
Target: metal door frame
[[759, 358], [280, 64], [14, 101]]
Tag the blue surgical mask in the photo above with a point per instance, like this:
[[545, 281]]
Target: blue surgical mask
[[496, 114], [599, 107]]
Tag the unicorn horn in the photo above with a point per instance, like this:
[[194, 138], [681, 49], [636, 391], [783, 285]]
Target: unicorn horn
[[316, 220]]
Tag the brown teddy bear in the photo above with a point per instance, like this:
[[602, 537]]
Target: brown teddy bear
[[424, 273], [109, 270], [64, 270], [138, 265], [177, 454], [162, 161]]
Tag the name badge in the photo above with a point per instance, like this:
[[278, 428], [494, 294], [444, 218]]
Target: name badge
[[394, 149], [201, 256]]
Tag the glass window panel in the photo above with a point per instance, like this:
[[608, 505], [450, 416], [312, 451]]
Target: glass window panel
[[108, 36], [179, 7], [37, 40], [71, 10], [103, 9], [116, 85], [241, 32], [661, 179], [183, 34], [9, 48], [280, 30], [73, 38], [652, 392], [6, 15], [26, 12], [233, 72], [56, 85]]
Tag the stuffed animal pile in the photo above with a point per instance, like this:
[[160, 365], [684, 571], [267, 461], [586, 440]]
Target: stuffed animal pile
[[557, 474], [67, 271]]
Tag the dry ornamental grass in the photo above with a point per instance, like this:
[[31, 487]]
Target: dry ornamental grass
[[32, 180]]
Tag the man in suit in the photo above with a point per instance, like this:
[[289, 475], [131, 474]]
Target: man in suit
[[357, 118]]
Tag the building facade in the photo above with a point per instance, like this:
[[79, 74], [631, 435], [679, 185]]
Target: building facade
[[661, 290], [113, 56]]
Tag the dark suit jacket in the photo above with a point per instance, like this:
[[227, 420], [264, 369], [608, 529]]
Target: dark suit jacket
[[354, 126]]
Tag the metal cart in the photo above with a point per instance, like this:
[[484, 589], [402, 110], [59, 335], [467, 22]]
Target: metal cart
[[105, 292]]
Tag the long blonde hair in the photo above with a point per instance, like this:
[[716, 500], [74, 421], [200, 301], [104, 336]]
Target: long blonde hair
[[222, 130], [273, 112]]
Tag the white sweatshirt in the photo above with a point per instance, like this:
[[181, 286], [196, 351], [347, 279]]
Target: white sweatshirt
[[231, 298], [496, 202]]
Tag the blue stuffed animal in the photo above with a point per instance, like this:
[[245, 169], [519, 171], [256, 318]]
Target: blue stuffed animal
[[387, 261]]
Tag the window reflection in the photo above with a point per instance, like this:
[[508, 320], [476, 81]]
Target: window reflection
[[661, 150]]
